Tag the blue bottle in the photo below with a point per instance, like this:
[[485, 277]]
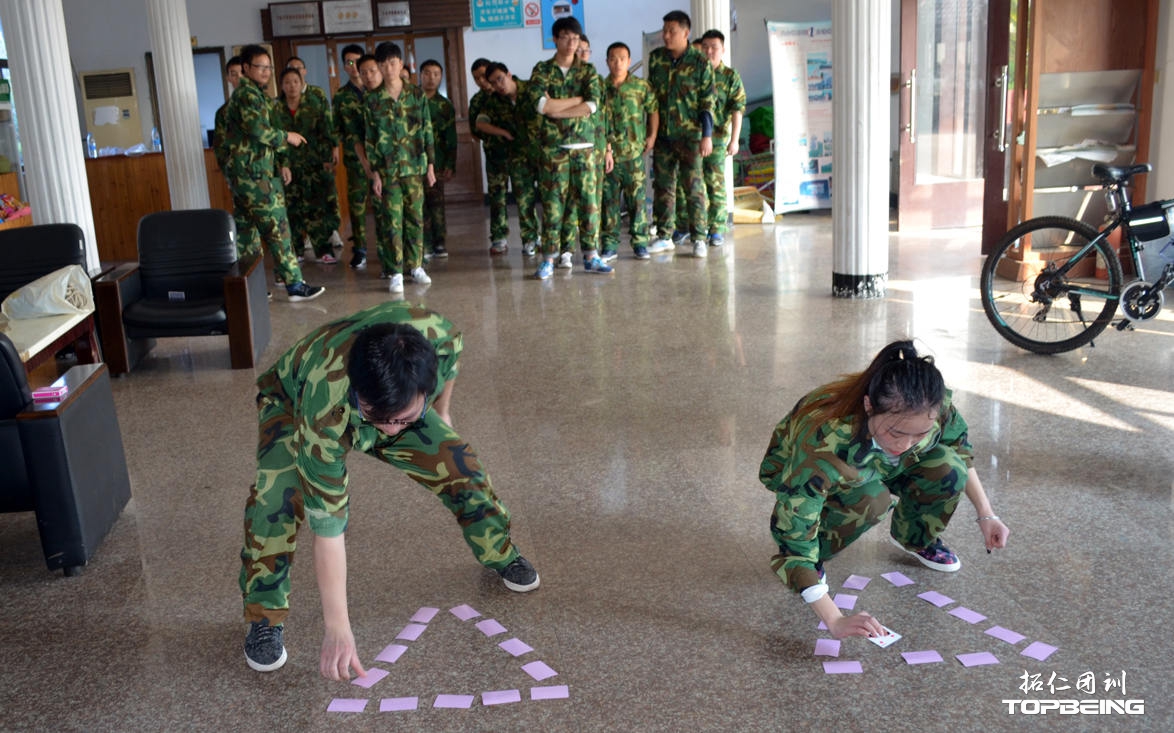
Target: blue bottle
[[91, 146], [156, 142]]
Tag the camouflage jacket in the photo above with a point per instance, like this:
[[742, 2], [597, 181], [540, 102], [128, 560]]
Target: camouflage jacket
[[628, 107], [350, 120], [399, 138], [444, 131], [581, 80], [729, 96], [220, 137], [311, 378], [254, 141], [684, 92], [811, 462], [476, 102], [498, 111], [313, 122]]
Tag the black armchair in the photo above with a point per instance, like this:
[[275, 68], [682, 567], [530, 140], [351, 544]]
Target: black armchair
[[32, 252], [187, 282], [64, 460]]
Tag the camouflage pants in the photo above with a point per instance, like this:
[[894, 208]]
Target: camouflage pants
[[713, 170], [258, 206], [672, 159], [574, 225], [568, 181], [312, 202], [524, 173], [923, 499], [399, 217], [435, 225], [431, 454], [623, 190], [358, 190], [497, 178]]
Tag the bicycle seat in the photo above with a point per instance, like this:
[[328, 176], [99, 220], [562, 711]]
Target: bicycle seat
[[1112, 174]]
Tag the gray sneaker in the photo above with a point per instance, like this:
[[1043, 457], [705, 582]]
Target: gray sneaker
[[264, 650], [519, 576]]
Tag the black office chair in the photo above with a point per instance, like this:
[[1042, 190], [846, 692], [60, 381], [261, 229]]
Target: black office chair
[[63, 460], [32, 252], [187, 282]]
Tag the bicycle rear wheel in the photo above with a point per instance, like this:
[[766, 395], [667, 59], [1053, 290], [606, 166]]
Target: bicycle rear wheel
[[1036, 308]]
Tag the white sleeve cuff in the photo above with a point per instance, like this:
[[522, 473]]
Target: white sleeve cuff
[[541, 103], [815, 592], [592, 106]]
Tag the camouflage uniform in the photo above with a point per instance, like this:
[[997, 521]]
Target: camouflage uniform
[[628, 107], [684, 95], [351, 121], [495, 109], [523, 122], [568, 174], [220, 138], [573, 222], [832, 485], [254, 143], [311, 196], [400, 148], [307, 425], [444, 129], [729, 96]]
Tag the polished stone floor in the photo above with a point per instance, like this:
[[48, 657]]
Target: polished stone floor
[[623, 419]]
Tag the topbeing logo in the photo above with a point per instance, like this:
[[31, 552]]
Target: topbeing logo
[[1075, 707]]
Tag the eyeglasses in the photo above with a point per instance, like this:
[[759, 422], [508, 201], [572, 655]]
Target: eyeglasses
[[352, 62], [397, 422]]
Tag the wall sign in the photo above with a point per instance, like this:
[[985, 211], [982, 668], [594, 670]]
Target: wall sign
[[347, 16], [496, 14], [394, 14], [295, 19]]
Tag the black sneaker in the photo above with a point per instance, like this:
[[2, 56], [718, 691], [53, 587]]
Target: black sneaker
[[301, 291], [358, 261], [439, 252], [264, 650], [519, 576]]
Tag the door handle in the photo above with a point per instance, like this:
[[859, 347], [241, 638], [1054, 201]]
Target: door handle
[[911, 85], [1001, 85]]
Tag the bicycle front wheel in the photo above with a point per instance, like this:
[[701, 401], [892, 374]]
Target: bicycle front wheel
[[1031, 304]]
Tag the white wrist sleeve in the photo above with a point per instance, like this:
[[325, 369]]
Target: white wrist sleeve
[[815, 592]]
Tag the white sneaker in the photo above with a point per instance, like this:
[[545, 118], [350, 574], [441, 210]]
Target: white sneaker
[[418, 275], [396, 283], [335, 240], [566, 261], [660, 245], [700, 249]]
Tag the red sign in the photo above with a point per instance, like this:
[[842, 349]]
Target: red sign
[[532, 12]]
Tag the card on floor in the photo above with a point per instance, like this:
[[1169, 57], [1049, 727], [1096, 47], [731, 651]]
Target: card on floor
[[888, 639]]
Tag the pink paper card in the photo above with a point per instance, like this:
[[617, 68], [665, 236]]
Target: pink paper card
[[425, 614], [842, 668], [346, 705], [827, 647], [538, 670], [845, 601], [1006, 635], [412, 632], [453, 701], [500, 697], [822, 626], [517, 647], [552, 692], [970, 617], [490, 627], [374, 674], [935, 598], [856, 582], [394, 704], [464, 612], [897, 579], [391, 653], [927, 656], [977, 659], [1038, 650]]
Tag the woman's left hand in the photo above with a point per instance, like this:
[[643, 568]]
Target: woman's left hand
[[994, 533]]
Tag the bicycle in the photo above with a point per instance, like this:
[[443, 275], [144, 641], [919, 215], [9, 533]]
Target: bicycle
[[1045, 261]]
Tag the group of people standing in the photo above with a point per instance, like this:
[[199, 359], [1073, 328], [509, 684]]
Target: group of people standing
[[278, 155], [576, 142]]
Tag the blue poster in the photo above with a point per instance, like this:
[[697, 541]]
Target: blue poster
[[552, 10], [496, 14]]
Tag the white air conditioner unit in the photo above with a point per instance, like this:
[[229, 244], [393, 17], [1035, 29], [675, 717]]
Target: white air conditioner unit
[[111, 107]]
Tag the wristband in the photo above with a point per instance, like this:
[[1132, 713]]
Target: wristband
[[989, 516], [815, 592]]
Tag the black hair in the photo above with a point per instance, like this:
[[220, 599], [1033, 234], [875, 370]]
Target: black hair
[[364, 59], [479, 63], [714, 33], [389, 366], [431, 62], [234, 61], [619, 44], [286, 72], [678, 16], [291, 59], [352, 48], [388, 50], [584, 39], [566, 24], [251, 52], [495, 67]]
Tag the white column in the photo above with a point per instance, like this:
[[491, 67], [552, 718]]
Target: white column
[[715, 15], [179, 112], [861, 43], [50, 135]]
